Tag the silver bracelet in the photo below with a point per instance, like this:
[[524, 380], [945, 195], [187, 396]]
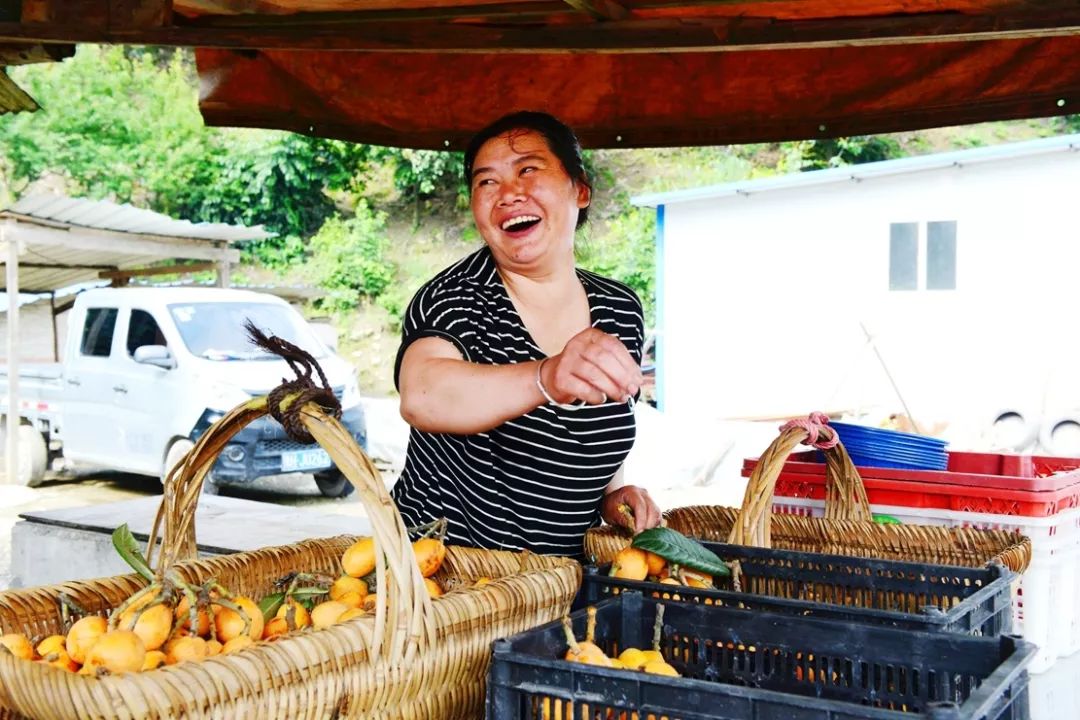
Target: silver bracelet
[[547, 395]]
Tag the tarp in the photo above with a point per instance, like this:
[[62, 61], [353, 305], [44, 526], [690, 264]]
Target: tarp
[[624, 73], [435, 100]]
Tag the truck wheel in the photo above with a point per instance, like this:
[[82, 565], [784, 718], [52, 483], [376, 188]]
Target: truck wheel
[[33, 456], [333, 484], [176, 453]]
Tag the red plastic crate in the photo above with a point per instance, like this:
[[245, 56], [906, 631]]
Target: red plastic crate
[[1001, 484]]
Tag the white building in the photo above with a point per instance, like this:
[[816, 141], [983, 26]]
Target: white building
[[963, 267]]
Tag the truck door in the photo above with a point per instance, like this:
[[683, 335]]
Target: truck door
[[149, 400], [89, 428]]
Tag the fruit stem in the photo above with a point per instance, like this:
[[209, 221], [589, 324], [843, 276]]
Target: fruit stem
[[658, 627], [590, 623], [115, 617], [222, 602], [68, 606], [568, 630]]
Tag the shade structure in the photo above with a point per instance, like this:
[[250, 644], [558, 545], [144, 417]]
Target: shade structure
[[624, 73]]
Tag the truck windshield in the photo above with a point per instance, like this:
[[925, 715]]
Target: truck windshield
[[215, 330]]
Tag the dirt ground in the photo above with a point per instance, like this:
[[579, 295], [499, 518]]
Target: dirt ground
[[93, 488]]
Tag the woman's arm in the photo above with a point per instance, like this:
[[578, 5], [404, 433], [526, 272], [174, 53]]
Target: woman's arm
[[442, 392]]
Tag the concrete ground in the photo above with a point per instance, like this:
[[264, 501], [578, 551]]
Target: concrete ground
[[92, 488]]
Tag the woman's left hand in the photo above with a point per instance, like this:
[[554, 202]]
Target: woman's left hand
[[646, 513]]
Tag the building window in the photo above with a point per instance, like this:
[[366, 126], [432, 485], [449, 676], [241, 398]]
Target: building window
[[904, 256], [941, 255], [98, 331], [922, 256]]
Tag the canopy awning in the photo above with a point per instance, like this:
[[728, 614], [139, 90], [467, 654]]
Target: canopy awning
[[624, 73]]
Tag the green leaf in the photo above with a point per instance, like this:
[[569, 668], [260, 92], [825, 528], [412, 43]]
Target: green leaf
[[128, 549], [270, 604], [307, 592], [886, 520], [676, 548]]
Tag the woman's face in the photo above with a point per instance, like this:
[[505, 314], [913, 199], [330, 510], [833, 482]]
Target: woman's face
[[524, 202]]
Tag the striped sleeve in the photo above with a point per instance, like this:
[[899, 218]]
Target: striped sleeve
[[443, 308]]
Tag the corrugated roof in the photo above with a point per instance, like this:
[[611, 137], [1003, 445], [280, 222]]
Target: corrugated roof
[[105, 215], [65, 241], [848, 173]]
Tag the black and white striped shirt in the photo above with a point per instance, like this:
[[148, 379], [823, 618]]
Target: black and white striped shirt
[[533, 482]]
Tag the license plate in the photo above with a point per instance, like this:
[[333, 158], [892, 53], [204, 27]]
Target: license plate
[[305, 460]]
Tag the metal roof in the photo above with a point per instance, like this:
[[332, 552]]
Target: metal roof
[[65, 241], [848, 173], [105, 215]]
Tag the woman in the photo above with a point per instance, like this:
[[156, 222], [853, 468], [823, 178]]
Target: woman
[[517, 371]]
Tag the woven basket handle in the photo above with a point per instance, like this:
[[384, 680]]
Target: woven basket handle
[[845, 496], [404, 616]]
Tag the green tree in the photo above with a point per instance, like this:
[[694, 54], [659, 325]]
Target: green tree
[[275, 179], [112, 123], [124, 124], [348, 259], [835, 152], [626, 252]]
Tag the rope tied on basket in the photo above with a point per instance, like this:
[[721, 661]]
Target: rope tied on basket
[[303, 388], [813, 425]]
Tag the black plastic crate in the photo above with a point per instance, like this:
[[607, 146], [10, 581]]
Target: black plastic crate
[[917, 596], [744, 665]]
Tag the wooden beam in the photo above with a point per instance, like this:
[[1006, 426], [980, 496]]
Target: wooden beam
[[139, 14], [147, 272], [59, 266], [28, 53], [125, 243], [600, 9], [707, 33], [63, 307]]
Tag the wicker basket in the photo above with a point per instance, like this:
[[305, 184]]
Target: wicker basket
[[846, 529], [414, 658]]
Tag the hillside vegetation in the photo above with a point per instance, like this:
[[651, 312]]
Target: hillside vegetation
[[366, 224]]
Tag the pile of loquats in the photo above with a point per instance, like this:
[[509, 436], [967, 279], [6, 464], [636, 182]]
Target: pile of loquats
[[632, 563], [171, 621], [589, 653]]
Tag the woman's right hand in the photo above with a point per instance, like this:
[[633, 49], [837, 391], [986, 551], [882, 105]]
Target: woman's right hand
[[595, 367]]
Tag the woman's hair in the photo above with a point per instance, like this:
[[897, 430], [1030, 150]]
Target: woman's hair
[[561, 140]]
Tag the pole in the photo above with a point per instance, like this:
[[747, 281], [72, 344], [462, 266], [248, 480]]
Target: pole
[[224, 273], [895, 387], [12, 450], [55, 341]]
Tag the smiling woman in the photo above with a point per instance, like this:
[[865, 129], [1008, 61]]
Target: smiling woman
[[519, 371]]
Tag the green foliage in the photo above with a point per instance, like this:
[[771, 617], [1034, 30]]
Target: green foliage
[[626, 252], [349, 259], [124, 124], [112, 123], [276, 179], [420, 174], [835, 152]]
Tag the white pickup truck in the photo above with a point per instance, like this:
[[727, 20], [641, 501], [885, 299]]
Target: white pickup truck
[[147, 370]]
